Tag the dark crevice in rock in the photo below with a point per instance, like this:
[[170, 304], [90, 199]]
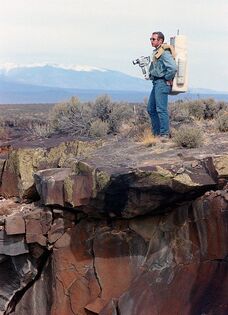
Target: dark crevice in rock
[[94, 267], [66, 207], [52, 221], [222, 184], [171, 202], [31, 194], [117, 309], [116, 195], [1, 175], [115, 199], [219, 260], [210, 168], [178, 199], [19, 294]]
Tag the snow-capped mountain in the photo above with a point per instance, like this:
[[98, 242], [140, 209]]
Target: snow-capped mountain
[[76, 77], [50, 83], [5, 67]]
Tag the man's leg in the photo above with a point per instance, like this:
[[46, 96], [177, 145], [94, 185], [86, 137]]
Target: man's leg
[[161, 97], [151, 108]]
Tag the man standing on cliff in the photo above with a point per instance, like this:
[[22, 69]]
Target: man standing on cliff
[[162, 71]]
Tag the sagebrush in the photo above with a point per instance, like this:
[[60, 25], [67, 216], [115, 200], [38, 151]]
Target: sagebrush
[[222, 122], [105, 117], [188, 136]]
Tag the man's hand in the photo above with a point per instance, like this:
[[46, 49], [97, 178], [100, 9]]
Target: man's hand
[[169, 82]]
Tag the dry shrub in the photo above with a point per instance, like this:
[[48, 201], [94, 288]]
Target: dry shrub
[[99, 128], [182, 111], [102, 107], [120, 113], [140, 111], [197, 108], [147, 138], [179, 112], [42, 129], [211, 109], [76, 118], [114, 113], [222, 122], [139, 121], [188, 137], [71, 117]]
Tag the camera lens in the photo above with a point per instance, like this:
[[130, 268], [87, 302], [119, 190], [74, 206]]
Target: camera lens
[[135, 62]]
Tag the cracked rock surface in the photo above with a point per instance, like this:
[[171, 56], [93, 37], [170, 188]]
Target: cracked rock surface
[[83, 232]]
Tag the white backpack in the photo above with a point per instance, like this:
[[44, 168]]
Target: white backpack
[[180, 81]]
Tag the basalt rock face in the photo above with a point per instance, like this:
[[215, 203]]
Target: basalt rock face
[[22, 162], [98, 237]]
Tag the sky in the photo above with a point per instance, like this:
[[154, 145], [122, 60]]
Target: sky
[[111, 33]]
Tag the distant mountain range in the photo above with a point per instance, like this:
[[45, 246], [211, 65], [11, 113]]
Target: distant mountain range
[[60, 76], [39, 83]]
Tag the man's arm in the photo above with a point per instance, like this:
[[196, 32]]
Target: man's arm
[[170, 65]]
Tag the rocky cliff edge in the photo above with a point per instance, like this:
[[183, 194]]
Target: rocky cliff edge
[[89, 227]]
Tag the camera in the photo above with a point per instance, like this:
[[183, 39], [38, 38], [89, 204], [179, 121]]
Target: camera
[[136, 61], [143, 63]]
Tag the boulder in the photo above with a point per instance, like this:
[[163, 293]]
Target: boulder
[[15, 224], [17, 179], [49, 185], [38, 223], [221, 165], [12, 245], [23, 162]]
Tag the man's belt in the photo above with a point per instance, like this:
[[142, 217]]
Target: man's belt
[[157, 78]]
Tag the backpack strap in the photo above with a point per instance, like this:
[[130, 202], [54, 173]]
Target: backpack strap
[[161, 50]]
